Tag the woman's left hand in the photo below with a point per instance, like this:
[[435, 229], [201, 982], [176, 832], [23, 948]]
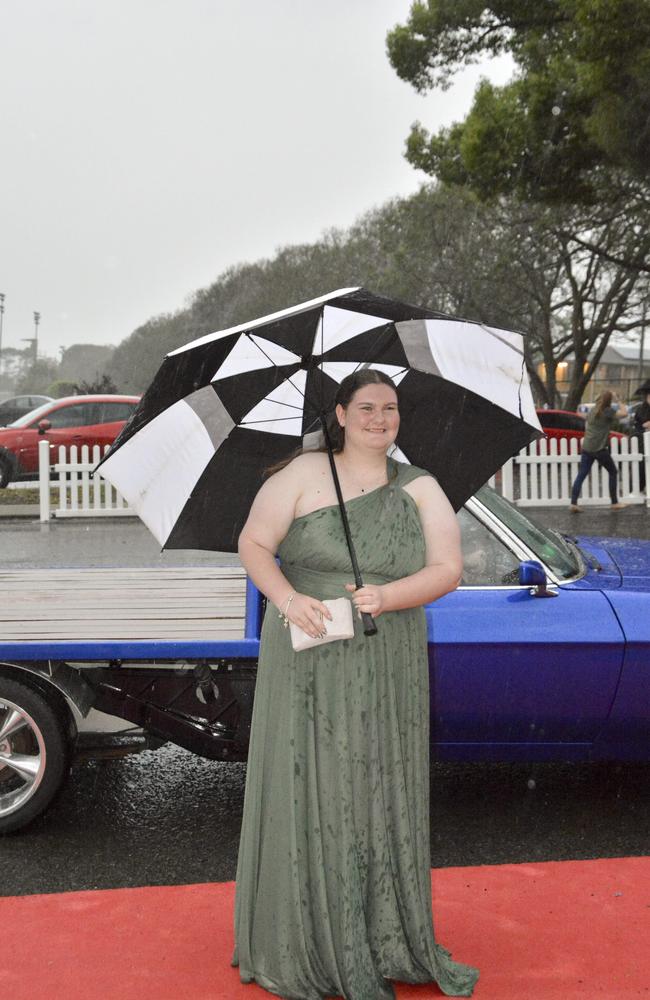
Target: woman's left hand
[[368, 598]]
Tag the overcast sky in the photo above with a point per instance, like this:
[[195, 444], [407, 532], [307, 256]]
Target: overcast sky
[[147, 145]]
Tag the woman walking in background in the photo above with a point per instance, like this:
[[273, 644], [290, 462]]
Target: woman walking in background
[[595, 447]]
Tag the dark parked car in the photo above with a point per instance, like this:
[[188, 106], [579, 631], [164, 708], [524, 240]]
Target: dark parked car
[[72, 420], [17, 406]]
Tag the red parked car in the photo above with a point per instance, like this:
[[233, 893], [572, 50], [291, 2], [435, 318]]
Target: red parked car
[[565, 424], [72, 420]]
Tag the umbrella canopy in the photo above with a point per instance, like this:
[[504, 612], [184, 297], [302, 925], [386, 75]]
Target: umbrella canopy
[[225, 407]]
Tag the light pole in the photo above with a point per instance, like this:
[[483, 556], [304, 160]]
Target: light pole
[[37, 320]]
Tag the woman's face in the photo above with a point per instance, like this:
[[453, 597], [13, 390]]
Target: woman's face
[[371, 418]]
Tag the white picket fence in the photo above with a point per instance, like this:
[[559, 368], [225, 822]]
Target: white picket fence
[[539, 476], [79, 493]]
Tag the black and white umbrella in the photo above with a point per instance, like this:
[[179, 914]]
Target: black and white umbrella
[[225, 407]]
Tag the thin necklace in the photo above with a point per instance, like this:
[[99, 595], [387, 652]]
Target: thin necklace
[[363, 489]]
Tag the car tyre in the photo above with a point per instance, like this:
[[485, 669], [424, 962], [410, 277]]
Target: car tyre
[[34, 754]]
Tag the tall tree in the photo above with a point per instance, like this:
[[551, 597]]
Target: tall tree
[[505, 263], [574, 119]]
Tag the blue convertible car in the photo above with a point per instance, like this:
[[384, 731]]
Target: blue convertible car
[[542, 653]]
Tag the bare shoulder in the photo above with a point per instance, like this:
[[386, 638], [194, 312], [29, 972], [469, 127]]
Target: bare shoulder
[[426, 491], [301, 471], [308, 462], [297, 469]]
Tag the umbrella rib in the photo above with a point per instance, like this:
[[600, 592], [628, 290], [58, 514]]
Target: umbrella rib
[[280, 402], [502, 339], [367, 364], [269, 420], [269, 358]]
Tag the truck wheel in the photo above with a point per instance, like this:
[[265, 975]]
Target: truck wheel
[[6, 472], [34, 754]]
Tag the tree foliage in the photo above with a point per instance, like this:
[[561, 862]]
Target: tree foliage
[[101, 384], [505, 263], [38, 376], [574, 119], [61, 387]]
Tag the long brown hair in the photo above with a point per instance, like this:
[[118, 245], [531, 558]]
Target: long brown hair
[[346, 390], [603, 401]]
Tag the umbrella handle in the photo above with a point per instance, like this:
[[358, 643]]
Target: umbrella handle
[[369, 627]]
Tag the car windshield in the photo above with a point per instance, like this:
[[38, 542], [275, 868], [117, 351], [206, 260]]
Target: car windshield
[[562, 559], [32, 415]]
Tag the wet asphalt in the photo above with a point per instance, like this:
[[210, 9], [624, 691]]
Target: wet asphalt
[[164, 817]]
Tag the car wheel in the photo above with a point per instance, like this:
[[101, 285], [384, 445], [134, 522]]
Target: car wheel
[[34, 754], [6, 472]]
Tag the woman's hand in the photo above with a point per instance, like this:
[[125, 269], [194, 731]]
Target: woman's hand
[[368, 598], [308, 613]]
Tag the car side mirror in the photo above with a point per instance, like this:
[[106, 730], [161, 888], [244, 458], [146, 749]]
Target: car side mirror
[[531, 574], [43, 425]]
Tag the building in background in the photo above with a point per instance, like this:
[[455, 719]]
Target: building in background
[[620, 368]]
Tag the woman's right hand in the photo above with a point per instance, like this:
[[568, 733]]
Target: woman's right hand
[[308, 613]]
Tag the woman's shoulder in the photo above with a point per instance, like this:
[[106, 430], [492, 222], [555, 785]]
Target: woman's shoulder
[[307, 461], [301, 468], [406, 473]]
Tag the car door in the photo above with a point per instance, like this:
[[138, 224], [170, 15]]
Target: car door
[[113, 416], [510, 668], [70, 424]]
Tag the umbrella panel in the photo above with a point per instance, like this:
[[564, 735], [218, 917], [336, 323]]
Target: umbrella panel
[[432, 410], [213, 515]]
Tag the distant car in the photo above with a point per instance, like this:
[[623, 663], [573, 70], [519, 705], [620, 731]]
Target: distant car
[[72, 420], [17, 406], [560, 424]]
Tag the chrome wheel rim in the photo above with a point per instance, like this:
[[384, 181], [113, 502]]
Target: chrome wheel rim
[[22, 757]]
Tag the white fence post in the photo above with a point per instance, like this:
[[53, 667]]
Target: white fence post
[[44, 479], [62, 469], [507, 480], [78, 495], [546, 469], [646, 449]]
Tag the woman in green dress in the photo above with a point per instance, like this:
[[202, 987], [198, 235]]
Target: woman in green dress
[[333, 877]]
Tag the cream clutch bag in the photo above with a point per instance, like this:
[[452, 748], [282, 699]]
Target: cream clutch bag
[[341, 626]]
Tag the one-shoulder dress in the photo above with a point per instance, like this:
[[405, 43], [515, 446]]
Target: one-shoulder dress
[[333, 890]]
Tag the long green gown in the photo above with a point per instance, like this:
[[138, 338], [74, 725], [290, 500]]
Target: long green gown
[[333, 876]]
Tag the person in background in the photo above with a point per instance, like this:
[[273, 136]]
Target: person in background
[[595, 447], [641, 425]]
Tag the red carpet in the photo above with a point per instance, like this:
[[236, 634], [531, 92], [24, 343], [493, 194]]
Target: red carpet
[[551, 931]]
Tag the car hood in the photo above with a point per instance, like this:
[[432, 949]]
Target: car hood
[[630, 556]]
